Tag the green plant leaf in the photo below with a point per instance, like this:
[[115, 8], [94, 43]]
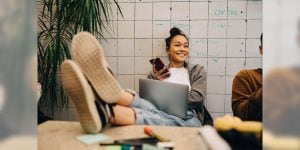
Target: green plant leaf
[[58, 22]]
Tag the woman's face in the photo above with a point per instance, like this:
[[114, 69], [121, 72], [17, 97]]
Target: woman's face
[[179, 49]]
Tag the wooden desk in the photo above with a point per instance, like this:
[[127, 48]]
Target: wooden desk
[[61, 135]]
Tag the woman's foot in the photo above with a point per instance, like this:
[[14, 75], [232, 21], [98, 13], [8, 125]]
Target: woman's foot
[[89, 55], [80, 92]]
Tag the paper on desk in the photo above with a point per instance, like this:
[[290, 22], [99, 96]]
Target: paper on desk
[[213, 139], [92, 138], [150, 147], [113, 147]]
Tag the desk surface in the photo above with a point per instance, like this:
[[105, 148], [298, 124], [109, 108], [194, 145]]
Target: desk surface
[[60, 135]]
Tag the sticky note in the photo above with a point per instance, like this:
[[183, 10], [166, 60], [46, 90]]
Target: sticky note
[[92, 138], [113, 147]]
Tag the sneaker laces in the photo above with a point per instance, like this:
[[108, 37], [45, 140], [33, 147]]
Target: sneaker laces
[[102, 113], [111, 109], [108, 110], [105, 111]]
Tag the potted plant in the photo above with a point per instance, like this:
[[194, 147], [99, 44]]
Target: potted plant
[[58, 21]]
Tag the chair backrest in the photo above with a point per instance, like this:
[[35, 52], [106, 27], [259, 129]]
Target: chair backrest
[[208, 120]]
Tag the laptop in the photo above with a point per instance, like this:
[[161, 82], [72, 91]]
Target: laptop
[[171, 98]]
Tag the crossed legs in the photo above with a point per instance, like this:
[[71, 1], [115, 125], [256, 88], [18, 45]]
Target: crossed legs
[[87, 78], [124, 114]]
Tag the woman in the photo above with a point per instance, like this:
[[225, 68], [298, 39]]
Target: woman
[[124, 107]]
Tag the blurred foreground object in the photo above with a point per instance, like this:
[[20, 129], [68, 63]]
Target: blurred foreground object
[[281, 113], [17, 75], [275, 142], [282, 101], [240, 134]]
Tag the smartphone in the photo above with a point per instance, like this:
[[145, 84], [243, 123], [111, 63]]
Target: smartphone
[[158, 63]]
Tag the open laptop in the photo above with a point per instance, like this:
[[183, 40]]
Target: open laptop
[[168, 97]]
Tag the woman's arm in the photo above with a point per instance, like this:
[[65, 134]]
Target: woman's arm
[[158, 75], [151, 75], [246, 103], [198, 85]]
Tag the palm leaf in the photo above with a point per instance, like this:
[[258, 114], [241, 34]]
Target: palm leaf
[[58, 21]]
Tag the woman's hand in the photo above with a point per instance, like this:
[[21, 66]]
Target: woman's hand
[[161, 74]]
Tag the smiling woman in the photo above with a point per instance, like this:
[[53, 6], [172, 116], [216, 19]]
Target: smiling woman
[[125, 107], [180, 72], [177, 48]]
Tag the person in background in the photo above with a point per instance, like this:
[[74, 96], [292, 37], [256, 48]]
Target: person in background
[[247, 94]]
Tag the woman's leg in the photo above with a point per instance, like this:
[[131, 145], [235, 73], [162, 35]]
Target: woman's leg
[[157, 117], [147, 113], [130, 100], [142, 104], [143, 112], [123, 115], [125, 99]]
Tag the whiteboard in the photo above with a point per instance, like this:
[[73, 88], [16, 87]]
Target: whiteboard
[[223, 34]]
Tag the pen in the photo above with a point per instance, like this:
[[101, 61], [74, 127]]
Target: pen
[[150, 132], [124, 146]]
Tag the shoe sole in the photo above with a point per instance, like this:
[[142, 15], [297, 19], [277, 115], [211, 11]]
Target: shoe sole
[[89, 55], [80, 92]]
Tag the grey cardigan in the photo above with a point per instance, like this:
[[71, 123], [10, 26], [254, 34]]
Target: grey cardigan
[[197, 94]]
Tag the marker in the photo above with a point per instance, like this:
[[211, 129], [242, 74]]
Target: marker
[[150, 132], [165, 145], [123, 146]]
